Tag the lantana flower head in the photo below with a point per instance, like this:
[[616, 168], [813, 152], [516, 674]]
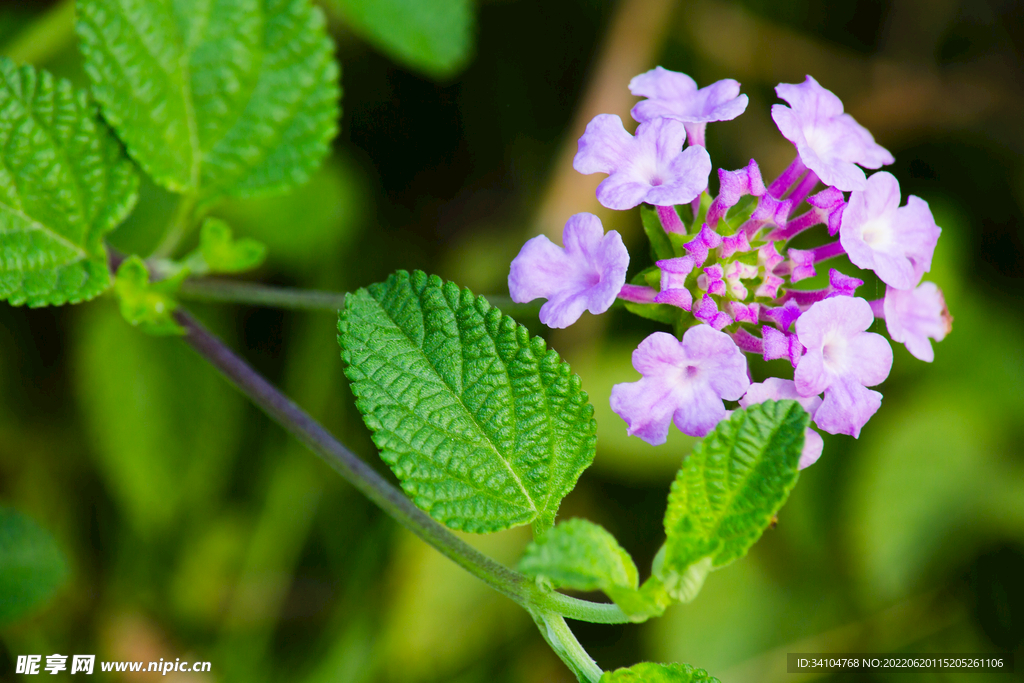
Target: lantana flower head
[[724, 269], [830, 142], [651, 166], [778, 389], [912, 316], [842, 359], [683, 382], [674, 95], [586, 274], [896, 242]]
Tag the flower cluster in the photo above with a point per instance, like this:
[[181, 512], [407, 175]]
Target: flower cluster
[[725, 271]]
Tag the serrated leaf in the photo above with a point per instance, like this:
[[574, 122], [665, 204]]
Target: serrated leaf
[[220, 252], [431, 36], [581, 555], [144, 304], [728, 490], [64, 184], [661, 246], [485, 427], [649, 672], [32, 566], [237, 97]]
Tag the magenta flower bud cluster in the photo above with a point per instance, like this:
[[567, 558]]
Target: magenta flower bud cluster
[[725, 271]]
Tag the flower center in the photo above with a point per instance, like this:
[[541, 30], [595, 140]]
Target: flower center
[[877, 233]]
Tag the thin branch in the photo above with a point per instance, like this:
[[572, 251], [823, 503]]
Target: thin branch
[[286, 413], [254, 294]]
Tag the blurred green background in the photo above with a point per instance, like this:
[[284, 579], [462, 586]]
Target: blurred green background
[[193, 528]]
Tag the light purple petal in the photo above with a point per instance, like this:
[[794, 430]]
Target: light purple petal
[[897, 243], [870, 358], [647, 408], [675, 95], [721, 359], [605, 146], [699, 410], [813, 445], [828, 141], [650, 167], [622, 192], [683, 382], [778, 389], [586, 275], [912, 316], [847, 407]]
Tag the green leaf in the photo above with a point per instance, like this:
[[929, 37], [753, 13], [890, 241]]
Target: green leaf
[[485, 427], [648, 672], [147, 305], [64, 184], [661, 246], [728, 491], [237, 97], [581, 555], [431, 36], [219, 252], [32, 567]]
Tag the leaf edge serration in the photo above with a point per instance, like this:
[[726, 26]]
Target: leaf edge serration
[[557, 370]]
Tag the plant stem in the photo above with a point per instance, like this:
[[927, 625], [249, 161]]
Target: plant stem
[[233, 291], [239, 292], [180, 226], [561, 639], [286, 413]]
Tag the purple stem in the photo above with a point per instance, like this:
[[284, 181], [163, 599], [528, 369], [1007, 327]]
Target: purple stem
[[798, 225], [808, 183], [747, 342], [878, 308], [670, 220], [637, 294], [827, 251], [788, 177]]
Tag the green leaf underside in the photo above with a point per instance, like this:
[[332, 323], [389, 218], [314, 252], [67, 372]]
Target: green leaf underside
[[64, 184], [649, 672], [485, 427], [432, 36], [32, 567], [581, 555], [215, 96], [732, 484]]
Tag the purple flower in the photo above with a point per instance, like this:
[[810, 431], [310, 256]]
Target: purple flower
[[828, 141], [896, 242], [651, 167], [699, 246], [776, 344], [801, 264], [912, 316], [706, 310], [712, 280], [586, 275], [842, 359], [673, 282], [674, 95], [781, 389], [683, 382]]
